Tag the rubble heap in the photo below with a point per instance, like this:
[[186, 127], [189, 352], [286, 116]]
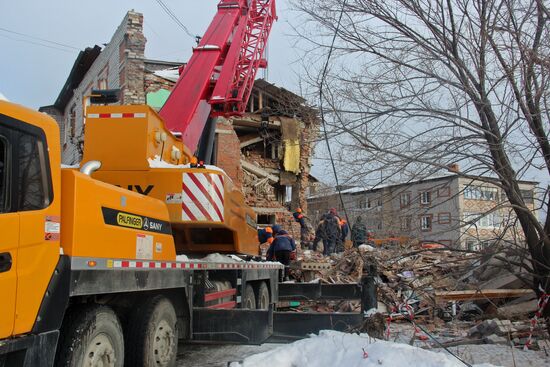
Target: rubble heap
[[439, 286]]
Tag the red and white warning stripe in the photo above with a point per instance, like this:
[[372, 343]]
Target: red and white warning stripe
[[131, 264], [129, 115], [202, 196], [543, 301], [87, 263]]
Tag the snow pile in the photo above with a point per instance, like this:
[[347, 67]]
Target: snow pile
[[182, 258], [159, 163], [500, 355], [171, 74], [332, 348], [218, 258], [70, 166]]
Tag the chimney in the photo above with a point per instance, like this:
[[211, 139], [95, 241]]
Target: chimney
[[454, 167]]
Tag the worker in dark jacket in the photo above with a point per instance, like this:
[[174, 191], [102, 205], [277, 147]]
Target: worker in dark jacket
[[265, 237], [358, 232], [332, 231], [264, 234], [281, 247], [300, 218], [319, 234]]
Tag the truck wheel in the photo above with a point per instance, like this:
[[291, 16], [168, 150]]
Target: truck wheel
[[249, 298], [152, 334], [263, 297], [91, 336]]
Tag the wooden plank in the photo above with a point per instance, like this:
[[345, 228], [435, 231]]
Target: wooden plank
[[258, 171], [471, 295], [250, 139]]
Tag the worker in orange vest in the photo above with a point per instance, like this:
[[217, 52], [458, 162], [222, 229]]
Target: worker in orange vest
[[265, 237], [300, 218]]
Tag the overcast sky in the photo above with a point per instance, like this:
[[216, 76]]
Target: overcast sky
[[32, 71]]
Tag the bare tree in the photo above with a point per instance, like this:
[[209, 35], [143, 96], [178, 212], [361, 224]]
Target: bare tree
[[415, 85]]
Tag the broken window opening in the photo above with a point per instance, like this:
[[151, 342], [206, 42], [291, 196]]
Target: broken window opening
[[266, 219]]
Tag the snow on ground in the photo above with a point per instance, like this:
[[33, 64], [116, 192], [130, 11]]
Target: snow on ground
[[332, 348], [501, 355], [217, 355]]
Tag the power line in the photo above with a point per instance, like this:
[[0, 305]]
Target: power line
[[37, 43], [39, 39], [175, 18], [322, 114]]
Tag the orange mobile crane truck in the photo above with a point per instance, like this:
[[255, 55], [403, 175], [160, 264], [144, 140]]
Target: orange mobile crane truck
[[89, 274]]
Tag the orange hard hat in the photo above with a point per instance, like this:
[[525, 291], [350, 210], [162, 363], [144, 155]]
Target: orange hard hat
[[299, 210], [268, 229]]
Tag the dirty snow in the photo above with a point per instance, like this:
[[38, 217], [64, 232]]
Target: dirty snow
[[501, 355], [70, 166], [218, 258], [182, 258], [159, 163], [171, 74], [332, 348]]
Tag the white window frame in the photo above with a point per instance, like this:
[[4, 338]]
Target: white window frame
[[405, 200], [425, 197], [483, 220], [474, 192], [426, 223]]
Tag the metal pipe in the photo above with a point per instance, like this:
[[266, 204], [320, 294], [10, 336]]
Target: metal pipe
[[90, 167]]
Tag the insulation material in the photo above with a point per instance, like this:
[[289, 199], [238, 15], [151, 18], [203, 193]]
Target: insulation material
[[292, 156], [290, 128]]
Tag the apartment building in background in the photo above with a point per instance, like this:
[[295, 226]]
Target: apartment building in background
[[456, 211]]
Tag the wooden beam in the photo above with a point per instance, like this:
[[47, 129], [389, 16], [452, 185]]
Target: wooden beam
[[471, 295], [250, 139], [258, 171], [243, 121]]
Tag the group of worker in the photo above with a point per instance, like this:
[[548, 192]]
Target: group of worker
[[331, 231], [281, 244]]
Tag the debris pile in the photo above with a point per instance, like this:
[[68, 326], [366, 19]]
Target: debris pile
[[437, 286]]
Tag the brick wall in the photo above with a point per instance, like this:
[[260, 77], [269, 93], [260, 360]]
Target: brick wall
[[121, 65], [229, 152]]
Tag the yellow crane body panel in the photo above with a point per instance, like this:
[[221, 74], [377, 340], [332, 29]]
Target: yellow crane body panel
[[104, 221]]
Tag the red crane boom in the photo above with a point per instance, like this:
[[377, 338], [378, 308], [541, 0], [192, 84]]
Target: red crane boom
[[219, 76]]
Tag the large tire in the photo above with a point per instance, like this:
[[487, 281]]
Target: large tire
[[90, 336], [152, 334], [262, 301], [249, 298]]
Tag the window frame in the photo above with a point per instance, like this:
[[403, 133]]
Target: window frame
[[439, 221], [407, 220], [479, 192], [428, 194], [14, 127], [408, 196], [429, 229], [444, 192], [7, 183]]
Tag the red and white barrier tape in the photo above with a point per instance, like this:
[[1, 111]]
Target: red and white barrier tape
[[543, 301], [388, 322], [417, 332]]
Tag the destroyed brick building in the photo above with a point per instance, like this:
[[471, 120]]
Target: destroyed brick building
[[465, 212], [267, 152]]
